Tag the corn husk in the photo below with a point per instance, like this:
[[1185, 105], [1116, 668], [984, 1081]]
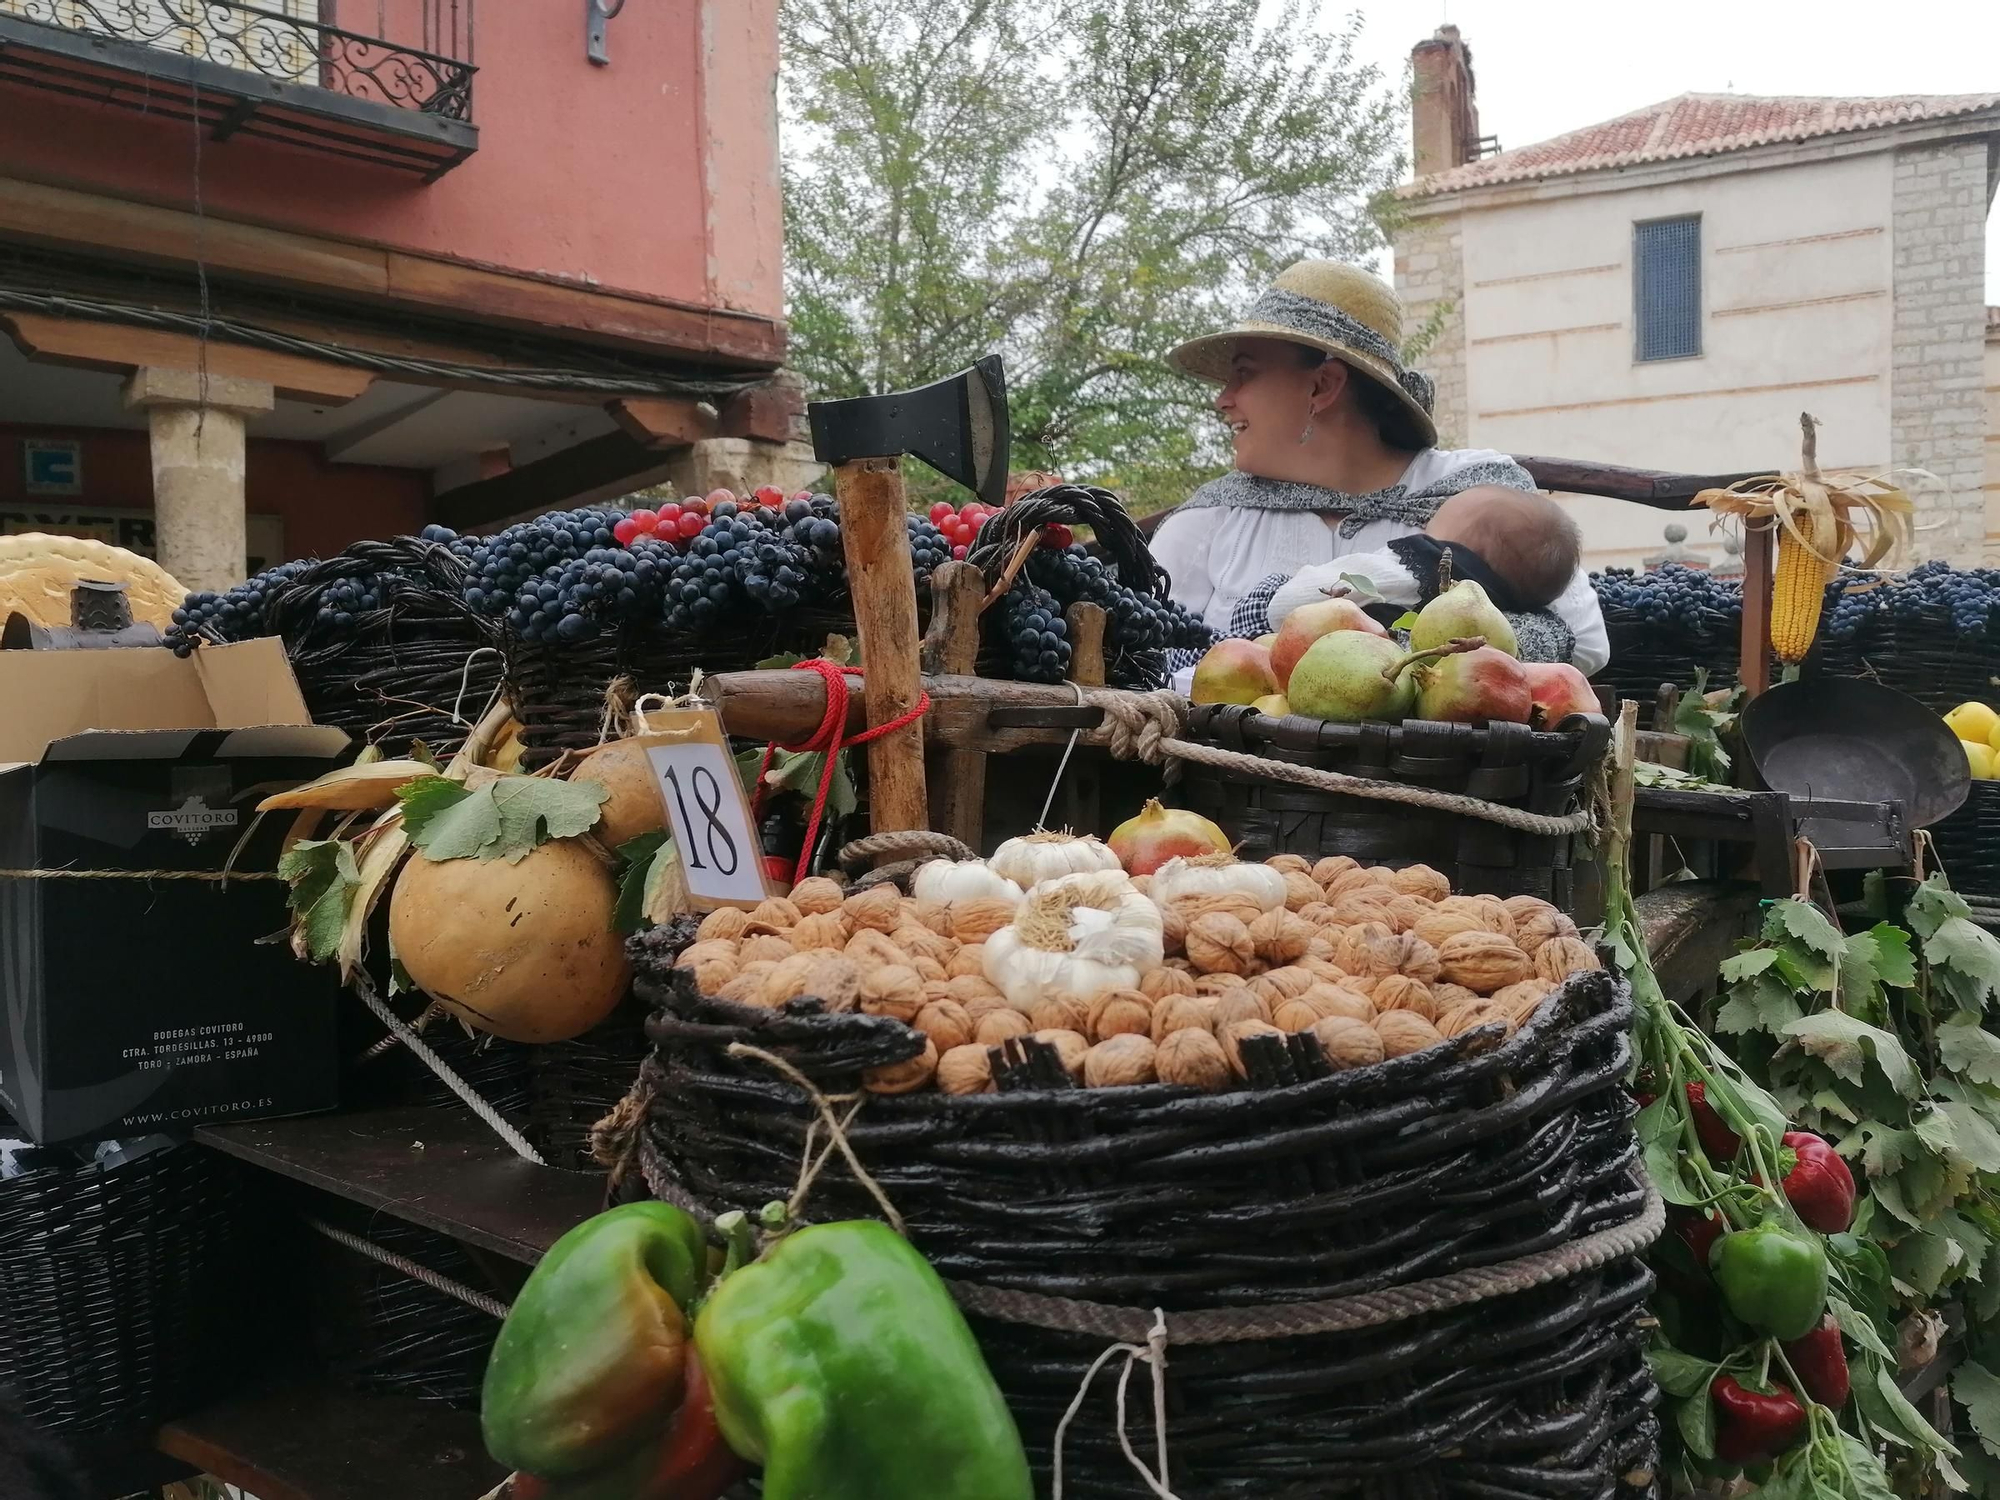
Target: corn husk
[[357, 788]]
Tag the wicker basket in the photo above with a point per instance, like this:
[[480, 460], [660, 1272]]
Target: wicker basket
[[1307, 1185], [1927, 658], [574, 1084], [120, 1287], [1509, 764], [1968, 842]]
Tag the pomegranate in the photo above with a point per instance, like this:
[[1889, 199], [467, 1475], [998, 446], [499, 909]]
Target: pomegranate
[[1560, 690], [1159, 834]]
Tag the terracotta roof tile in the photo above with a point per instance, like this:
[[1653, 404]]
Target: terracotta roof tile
[[1697, 125]]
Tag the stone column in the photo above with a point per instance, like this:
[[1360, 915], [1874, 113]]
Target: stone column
[[196, 424]]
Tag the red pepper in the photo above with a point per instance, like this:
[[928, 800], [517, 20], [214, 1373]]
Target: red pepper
[[687, 1461], [1821, 1363], [1750, 1427], [1717, 1139], [1818, 1185], [1699, 1232]]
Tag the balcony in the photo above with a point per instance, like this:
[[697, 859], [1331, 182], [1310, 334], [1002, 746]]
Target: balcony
[[281, 71]]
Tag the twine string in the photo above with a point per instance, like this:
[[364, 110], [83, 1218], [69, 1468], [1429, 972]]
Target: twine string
[[1152, 1353], [218, 877], [1061, 765], [836, 1131]]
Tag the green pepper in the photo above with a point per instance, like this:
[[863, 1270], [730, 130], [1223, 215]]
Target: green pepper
[[839, 1362], [591, 1361], [1772, 1278]]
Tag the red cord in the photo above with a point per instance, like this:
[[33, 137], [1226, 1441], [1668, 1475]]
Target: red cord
[[828, 739]]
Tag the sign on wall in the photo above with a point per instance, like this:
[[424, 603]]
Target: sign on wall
[[52, 466], [131, 529]]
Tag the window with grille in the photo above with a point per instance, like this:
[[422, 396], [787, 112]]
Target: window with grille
[[1666, 288]]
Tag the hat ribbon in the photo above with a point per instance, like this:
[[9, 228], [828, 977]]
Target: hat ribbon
[[1322, 320]]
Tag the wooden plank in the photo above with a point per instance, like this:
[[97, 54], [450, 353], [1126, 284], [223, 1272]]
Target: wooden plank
[[1655, 487], [1690, 926], [597, 468], [1753, 661], [123, 347], [439, 1168], [881, 578], [956, 778], [306, 1441], [774, 412], [663, 421]]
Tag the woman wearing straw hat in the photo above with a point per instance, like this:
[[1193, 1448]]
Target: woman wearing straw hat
[[1335, 454]]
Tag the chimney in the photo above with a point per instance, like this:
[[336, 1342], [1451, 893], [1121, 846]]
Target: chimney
[[1444, 119]]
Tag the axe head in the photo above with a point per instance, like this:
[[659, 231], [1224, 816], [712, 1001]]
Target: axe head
[[957, 426]]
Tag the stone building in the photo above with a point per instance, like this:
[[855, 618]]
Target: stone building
[[1670, 289]]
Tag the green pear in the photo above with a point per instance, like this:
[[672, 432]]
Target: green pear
[[1459, 613], [1350, 677]]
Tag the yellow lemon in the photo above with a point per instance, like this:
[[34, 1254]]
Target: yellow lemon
[[1973, 722], [1982, 759]]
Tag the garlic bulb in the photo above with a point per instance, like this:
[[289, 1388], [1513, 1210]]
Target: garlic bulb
[[1219, 875], [1077, 934], [1035, 857], [946, 881]]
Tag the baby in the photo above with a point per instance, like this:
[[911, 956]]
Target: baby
[[1521, 547]]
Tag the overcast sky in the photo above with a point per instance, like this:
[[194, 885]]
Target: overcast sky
[[1544, 67]]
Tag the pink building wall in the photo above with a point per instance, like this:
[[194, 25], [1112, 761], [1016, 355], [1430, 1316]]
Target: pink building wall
[[654, 177]]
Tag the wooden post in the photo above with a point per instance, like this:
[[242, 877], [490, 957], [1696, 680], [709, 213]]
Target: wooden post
[[882, 581], [1081, 791], [957, 777], [1753, 668]]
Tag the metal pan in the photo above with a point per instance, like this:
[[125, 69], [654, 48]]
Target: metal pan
[[1846, 739]]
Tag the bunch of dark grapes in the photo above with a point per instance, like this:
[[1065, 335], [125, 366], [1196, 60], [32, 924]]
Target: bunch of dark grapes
[[744, 558], [1139, 627], [511, 572], [1186, 630], [235, 615], [929, 550], [1037, 635]]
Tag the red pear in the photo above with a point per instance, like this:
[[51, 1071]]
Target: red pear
[[1473, 687], [1560, 690], [1308, 623], [1233, 671]]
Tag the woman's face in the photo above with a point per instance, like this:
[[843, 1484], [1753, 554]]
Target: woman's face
[[1268, 401]]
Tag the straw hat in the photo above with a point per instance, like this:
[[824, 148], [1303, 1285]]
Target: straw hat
[[1339, 310]]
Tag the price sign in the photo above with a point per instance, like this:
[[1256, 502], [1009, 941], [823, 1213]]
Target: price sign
[[720, 853]]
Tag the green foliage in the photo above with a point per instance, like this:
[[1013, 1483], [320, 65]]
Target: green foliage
[[324, 878], [1077, 184], [503, 819]]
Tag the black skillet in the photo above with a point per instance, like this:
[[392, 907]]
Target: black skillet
[[1845, 739]]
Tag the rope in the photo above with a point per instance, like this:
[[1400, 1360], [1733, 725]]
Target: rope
[[836, 1133], [828, 740], [478, 1301], [220, 877], [915, 842], [1061, 765], [1154, 1355], [444, 1071]]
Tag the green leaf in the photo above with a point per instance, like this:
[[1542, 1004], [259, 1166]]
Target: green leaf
[[1932, 904], [324, 879], [508, 817], [1888, 1192], [1838, 1039], [1363, 586], [1866, 1478], [1741, 966], [1977, 1389], [1968, 958], [1405, 621], [1658, 1126], [1680, 1374], [636, 880], [779, 663], [1895, 965], [1965, 1047], [425, 797], [1922, 1260], [1859, 1327], [1766, 1003], [1828, 1102], [1696, 1420], [1974, 1140], [1883, 1148], [1909, 1420], [1806, 923], [1933, 1127]]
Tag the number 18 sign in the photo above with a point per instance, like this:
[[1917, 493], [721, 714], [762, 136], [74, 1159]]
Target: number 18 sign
[[720, 853]]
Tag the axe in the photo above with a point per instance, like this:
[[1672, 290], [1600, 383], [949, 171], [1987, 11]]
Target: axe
[[959, 427]]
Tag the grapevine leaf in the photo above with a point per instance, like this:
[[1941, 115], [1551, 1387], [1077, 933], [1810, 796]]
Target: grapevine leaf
[[1967, 1048], [1696, 1420], [508, 817], [1766, 1003], [1837, 1039], [1977, 1389], [1883, 1148], [1972, 1242], [1857, 1325], [1804, 969], [1934, 1128], [1895, 966], [1680, 1374], [1866, 1479], [1659, 1134], [1805, 922], [424, 798], [635, 880], [1921, 1260], [324, 879], [1907, 1417], [400, 982], [1741, 966], [1405, 621], [1974, 1140], [1932, 904], [1967, 958], [1828, 1102], [1888, 1192]]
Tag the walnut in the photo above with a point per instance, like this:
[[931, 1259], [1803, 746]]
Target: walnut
[[1368, 951], [1356, 910], [967, 988], [1346, 882], [1483, 962], [879, 907], [766, 947], [977, 920], [1338, 1000], [817, 894], [711, 974], [1178, 1013], [1305, 1011], [968, 963], [1120, 1062], [1490, 911], [1290, 864], [945, 1022], [1159, 983], [745, 989], [1071, 1048], [1282, 984], [1179, 964], [1143, 884], [1240, 1005], [892, 990], [1419, 960], [1452, 996], [1322, 968], [1406, 911], [934, 915], [1464, 1018], [979, 1007], [1520, 907], [700, 953], [935, 990], [914, 938], [827, 929], [1403, 1032], [1561, 957], [1192, 1058], [1421, 881], [1060, 1012], [723, 922], [871, 945], [928, 969], [1319, 914], [1301, 890], [1225, 903], [1117, 1012], [1395, 992], [1332, 868], [1348, 1043], [1173, 931], [1441, 922], [966, 1070], [1517, 1002], [903, 1077], [774, 915], [1233, 1037], [1214, 986], [993, 1029], [1281, 936], [1219, 944]]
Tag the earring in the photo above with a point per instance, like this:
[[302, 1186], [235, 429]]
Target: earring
[[1306, 436]]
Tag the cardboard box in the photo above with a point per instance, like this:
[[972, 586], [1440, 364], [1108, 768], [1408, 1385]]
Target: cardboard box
[[134, 1005]]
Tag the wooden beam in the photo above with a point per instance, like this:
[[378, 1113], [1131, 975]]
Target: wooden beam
[[599, 468], [124, 347], [1753, 667], [774, 412], [663, 421], [956, 779]]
